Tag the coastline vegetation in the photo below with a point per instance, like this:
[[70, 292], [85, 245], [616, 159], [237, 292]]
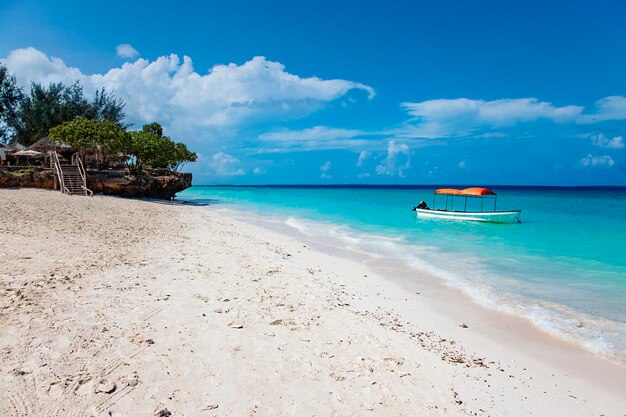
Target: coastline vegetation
[[63, 113]]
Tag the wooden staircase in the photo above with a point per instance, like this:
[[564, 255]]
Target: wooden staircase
[[72, 179]]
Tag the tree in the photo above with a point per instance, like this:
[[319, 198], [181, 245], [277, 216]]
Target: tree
[[153, 150], [182, 156], [10, 98], [144, 149], [83, 133], [148, 148], [154, 128], [107, 107], [47, 107], [42, 110]]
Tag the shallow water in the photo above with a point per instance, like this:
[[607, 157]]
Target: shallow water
[[563, 267]]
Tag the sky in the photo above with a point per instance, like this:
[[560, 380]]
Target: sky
[[351, 92]]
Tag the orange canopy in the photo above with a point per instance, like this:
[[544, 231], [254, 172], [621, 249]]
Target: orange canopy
[[449, 191], [473, 191], [477, 191]]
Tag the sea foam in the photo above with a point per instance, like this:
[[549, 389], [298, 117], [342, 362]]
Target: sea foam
[[597, 334]]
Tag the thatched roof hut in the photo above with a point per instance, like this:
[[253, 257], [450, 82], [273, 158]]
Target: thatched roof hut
[[45, 144], [7, 149], [4, 149], [16, 147]]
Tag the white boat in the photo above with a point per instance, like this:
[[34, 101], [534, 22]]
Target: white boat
[[491, 216]]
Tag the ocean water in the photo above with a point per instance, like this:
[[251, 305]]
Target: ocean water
[[563, 267]]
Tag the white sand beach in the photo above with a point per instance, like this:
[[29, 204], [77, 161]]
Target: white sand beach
[[119, 307]]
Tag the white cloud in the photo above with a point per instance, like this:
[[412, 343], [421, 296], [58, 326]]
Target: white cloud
[[362, 157], [441, 118], [398, 160], [315, 133], [319, 138], [602, 141], [592, 161], [30, 64], [225, 165], [461, 116], [607, 108], [190, 104], [325, 169], [313, 138], [126, 50]]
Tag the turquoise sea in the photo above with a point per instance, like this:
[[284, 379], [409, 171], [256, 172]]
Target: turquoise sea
[[563, 267]]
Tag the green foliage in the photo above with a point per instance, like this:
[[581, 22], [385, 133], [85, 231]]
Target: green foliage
[[10, 98], [153, 150], [83, 133], [107, 107], [182, 155], [64, 114], [148, 148], [154, 128], [45, 108]]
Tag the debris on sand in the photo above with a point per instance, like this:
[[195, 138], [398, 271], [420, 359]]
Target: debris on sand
[[162, 411], [236, 324], [107, 387]]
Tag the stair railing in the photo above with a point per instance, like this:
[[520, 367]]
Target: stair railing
[[83, 176], [57, 167]]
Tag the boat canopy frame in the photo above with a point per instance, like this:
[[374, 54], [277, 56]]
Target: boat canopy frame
[[474, 192]]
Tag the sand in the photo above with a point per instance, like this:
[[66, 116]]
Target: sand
[[116, 307]]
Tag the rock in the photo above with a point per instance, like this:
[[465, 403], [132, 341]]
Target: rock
[[210, 406], [26, 177], [158, 184], [120, 183], [463, 325], [106, 387], [162, 411]]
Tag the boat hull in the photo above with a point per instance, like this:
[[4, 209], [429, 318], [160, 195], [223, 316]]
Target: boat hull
[[512, 216]]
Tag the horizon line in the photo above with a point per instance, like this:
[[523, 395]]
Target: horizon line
[[349, 185]]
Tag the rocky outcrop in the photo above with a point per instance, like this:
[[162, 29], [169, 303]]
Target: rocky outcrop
[[162, 185], [29, 177]]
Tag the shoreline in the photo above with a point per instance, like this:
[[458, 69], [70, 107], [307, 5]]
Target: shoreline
[[122, 306], [517, 340], [510, 330], [413, 278]]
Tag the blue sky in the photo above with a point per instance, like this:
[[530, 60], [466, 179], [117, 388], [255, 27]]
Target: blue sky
[[481, 92]]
